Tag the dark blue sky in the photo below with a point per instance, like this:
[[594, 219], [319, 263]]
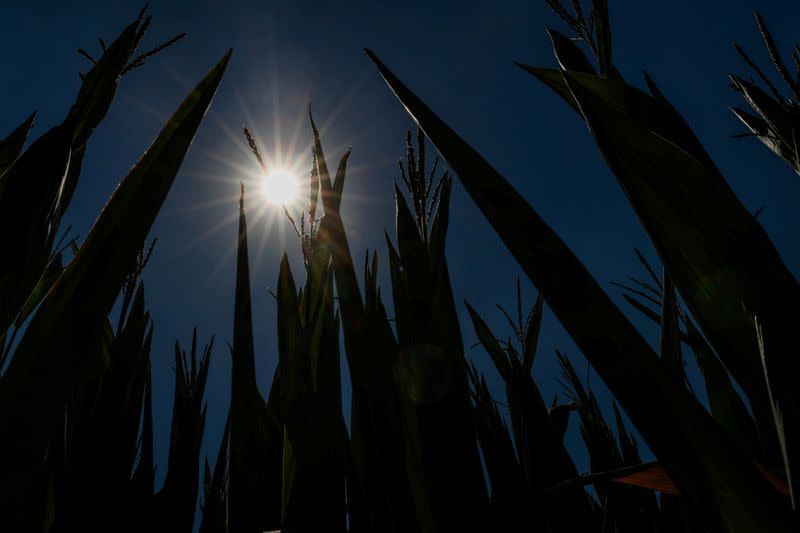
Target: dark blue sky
[[458, 57]]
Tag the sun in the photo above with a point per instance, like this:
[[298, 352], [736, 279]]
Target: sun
[[280, 186]]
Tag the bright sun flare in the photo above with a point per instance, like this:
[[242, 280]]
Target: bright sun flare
[[280, 186]]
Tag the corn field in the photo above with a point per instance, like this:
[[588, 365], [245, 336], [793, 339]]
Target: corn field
[[423, 445]]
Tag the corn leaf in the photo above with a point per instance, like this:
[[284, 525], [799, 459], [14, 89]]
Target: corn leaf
[[553, 79], [559, 416], [532, 329], [49, 277], [255, 442], [143, 479], [569, 56], [441, 221], [726, 406], [722, 396], [54, 269], [543, 459], [670, 347], [624, 510], [379, 498], [101, 433], [760, 128], [442, 453], [491, 344], [175, 503], [338, 182], [215, 493], [11, 146], [603, 32], [28, 202], [314, 435], [93, 102], [509, 505]]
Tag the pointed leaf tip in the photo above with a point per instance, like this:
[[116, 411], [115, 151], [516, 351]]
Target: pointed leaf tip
[[311, 118]]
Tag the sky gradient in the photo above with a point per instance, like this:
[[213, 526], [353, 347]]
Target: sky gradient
[[457, 56]]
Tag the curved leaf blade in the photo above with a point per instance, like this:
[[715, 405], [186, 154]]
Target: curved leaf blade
[[11, 146]]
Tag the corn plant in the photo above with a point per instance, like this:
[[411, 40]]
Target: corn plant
[[253, 436], [775, 120], [410, 408], [407, 393], [539, 443], [710, 254], [538, 440], [75, 393], [292, 449]]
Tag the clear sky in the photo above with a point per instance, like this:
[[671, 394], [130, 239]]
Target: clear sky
[[458, 57]]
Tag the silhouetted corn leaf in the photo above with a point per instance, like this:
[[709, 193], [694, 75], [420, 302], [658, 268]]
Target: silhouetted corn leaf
[[376, 426], [11, 146], [215, 489], [649, 313], [509, 505], [314, 436], [569, 56], [100, 84], [28, 203], [379, 497], [51, 273], [100, 435], [602, 29], [678, 129], [442, 454], [52, 355], [624, 510], [627, 442], [543, 459], [255, 441], [438, 236], [315, 457], [559, 416], [176, 502], [670, 347], [49, 277], [491, 344], [713, 473], [553, 79], [726, 406], [143, 479], [630, 454], [338, 182]]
